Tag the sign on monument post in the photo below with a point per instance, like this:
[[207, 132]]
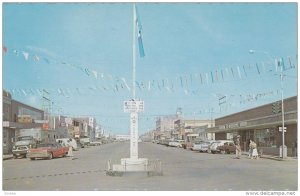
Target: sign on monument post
[[133, 107]]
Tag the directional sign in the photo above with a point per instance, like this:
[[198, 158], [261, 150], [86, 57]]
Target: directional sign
[[133, 106], [280, 129]]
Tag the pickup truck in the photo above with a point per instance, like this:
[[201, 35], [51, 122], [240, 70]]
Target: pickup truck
[[227, 147]]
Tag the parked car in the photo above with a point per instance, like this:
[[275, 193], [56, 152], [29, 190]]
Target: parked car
[[197, 145], [165, 142], [213, 148], [48, 151], [203, 146], [227, 147], [177, 143]]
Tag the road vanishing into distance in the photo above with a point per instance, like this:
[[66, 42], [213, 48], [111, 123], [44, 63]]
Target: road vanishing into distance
[[183, 170]]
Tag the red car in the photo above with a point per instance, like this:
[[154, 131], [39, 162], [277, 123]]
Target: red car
[[47, 151]]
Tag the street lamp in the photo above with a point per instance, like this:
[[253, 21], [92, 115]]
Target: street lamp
[[282, 105]]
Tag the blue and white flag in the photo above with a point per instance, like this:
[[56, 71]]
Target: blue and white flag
[[139, 27]]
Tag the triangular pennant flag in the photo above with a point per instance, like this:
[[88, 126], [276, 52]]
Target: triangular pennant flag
[[257, 68], [16, 52], [238, 69], [46, 60], [26, 55], [36, 58], [4, 49], [212, 77], [244, 70], [95, 73]]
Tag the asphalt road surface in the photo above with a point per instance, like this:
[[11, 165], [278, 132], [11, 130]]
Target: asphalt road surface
[[183, 170]]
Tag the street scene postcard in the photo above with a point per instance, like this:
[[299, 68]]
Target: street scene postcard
[[150, 96]]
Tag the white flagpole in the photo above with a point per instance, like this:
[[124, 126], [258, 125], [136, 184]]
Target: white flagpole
[[133, 52], [134, 115]]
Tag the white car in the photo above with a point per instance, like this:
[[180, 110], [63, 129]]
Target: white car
[[204, 146], [177, 143], [197, 146], [213, 148]]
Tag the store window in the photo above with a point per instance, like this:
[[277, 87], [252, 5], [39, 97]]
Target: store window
[[265, 137], [33, 114]]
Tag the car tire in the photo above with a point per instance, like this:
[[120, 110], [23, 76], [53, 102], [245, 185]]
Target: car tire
[[50, 156]]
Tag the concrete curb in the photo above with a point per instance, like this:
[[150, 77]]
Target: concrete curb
[[7, 157], [279, 159]]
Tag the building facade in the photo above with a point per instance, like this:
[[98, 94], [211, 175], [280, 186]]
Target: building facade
[[188, 130], [165, 126], [16, 116], [261, 124]]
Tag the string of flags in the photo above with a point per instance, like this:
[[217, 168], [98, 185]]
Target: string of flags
[[188, 83]]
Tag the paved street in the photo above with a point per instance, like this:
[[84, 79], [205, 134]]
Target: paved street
[[182, 170]]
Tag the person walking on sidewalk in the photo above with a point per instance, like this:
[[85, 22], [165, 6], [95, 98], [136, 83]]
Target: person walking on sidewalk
[[254, 150], [238, 149], [250, 149]]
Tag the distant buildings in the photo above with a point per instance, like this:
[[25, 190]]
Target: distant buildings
[[17, 115], [175, 127]]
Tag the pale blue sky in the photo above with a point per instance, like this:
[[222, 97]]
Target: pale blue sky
[[191, 50]]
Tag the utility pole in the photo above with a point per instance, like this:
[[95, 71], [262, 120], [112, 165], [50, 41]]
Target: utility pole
[[282, 112]]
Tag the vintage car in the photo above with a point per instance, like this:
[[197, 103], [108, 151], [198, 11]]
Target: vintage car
[[48, 151], [202, 146], [177, 143], [227, 147], [213, 148]]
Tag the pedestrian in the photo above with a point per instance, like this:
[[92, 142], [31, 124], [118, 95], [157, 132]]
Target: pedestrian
[[250, 149], [254, 149], [237, 147]]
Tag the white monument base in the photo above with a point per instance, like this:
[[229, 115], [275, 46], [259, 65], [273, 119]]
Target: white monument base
[[131, 165]]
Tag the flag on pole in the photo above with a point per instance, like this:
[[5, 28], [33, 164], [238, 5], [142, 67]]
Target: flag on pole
[[139, 27]]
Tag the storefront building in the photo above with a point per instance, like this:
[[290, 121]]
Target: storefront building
[[261, 124], [16, 116]]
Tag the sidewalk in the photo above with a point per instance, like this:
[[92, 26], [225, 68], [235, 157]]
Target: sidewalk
[[272, 157], [7, 156]]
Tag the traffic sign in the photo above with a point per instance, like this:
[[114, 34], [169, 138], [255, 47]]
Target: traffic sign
[[133, 106], [280, 129]]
